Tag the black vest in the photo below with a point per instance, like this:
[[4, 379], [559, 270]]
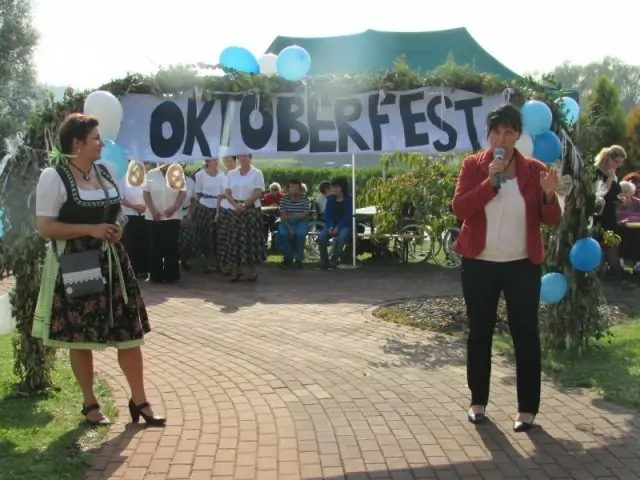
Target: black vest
[[77, 210]]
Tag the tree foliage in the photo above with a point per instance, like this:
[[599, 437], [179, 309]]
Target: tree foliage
[[18, 90], [633, 140], [603, 121], [584, 78]]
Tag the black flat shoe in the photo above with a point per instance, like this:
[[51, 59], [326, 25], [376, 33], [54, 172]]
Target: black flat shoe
[[235, 278], [519, 426], [94, 423], [252, 278], [476, 418], [136, 412]]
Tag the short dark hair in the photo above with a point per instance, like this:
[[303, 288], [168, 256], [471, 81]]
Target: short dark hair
[[324, 186], [76, 126], [504, 115], [294, 181], [342, 183]]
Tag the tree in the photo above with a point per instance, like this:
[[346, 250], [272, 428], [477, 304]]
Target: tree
[[18, 90], [603, 121], [583, 78], [633, 140]]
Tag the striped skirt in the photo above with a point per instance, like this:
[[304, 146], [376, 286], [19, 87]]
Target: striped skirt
[[240, 239]]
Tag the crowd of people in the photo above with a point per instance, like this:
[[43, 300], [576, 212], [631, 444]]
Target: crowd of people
[[225, 221]]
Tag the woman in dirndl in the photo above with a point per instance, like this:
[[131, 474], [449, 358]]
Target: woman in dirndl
[[89, 298], [210, 184], [241, 222]]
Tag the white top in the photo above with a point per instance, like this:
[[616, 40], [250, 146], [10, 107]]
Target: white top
[[163, 196], [242, 186], [506, 225], [51, 194], [132, 195], [212, 186], [191, 194], [321, 201]]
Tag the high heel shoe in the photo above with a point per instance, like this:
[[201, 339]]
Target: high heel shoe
[[136, 412], [520, 426], [94, 423], [476, 418]]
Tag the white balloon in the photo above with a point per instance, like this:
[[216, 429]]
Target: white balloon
[[108, 110], [525, 145], [267, 64]]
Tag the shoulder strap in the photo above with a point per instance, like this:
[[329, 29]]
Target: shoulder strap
[[102, 170]]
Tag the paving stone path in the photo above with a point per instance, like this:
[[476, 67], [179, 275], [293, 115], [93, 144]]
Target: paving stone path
[[293, 378]]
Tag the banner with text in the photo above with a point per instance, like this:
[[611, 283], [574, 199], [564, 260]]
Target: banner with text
[[426, 120]]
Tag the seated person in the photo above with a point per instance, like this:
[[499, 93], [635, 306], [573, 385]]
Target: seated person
[[629, 211], [337, 224], [271, 199], [295, 210], [321, 200]]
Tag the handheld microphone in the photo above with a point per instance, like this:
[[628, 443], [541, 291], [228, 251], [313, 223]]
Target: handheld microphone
[[498, 178]]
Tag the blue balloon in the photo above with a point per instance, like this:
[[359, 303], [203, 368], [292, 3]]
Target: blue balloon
[[554, 287], [585, 254], [293, 63], [570, 108], [547, 147], [536, 117], [240, 59], [115, 158]]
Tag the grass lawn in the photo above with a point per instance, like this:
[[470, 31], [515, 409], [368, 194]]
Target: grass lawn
[[612, 368], [44, 438]]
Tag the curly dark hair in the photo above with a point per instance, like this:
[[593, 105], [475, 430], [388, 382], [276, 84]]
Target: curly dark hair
[[76, 126]]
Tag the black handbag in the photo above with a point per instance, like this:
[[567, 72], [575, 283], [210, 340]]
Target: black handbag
[[81, 272]]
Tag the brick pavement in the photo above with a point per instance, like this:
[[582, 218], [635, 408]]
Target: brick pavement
[[287, 379]]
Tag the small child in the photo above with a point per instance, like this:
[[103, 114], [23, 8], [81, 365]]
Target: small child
[[321, 200]]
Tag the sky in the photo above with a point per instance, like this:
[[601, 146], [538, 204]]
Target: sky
[[88, 43]]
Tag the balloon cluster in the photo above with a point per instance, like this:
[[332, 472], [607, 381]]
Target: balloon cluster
[[537, 139], [585, 256], [293, 63], [108, 110]]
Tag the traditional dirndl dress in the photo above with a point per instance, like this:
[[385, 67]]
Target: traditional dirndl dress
[[205, 231], [241, 239], [116, 317]]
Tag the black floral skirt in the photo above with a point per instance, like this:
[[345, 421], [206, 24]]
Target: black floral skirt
[[116, 317]]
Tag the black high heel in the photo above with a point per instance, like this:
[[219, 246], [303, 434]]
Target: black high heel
[[476, 418], [94, 423], [136, 412]]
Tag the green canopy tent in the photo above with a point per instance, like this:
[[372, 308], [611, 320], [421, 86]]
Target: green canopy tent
[[373, 50]]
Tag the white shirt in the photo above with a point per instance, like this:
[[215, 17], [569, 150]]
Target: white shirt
[[506, 225], [321, 201], [51, 193], [132, 195], [212, 186], [243, 186], [163, 196], [191, 194]]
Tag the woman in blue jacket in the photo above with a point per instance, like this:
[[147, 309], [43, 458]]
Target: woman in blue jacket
[[338, 217]]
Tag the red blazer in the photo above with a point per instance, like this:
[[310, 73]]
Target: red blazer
[[474, 191]]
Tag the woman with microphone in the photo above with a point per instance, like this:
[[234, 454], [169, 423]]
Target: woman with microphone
[[503, 198]]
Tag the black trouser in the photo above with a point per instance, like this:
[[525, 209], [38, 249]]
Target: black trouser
[[482, 283], [164, 251], [137, 242]]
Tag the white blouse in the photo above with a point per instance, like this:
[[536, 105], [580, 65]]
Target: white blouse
[[506, 239], [212, 186], [162, 195], [243, 186], [51, 193], [132, 195], [191, 194]]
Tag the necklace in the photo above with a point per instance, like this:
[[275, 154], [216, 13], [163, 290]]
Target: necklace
[[85, 175]]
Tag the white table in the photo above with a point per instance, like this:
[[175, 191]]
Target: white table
[[366, 211]]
